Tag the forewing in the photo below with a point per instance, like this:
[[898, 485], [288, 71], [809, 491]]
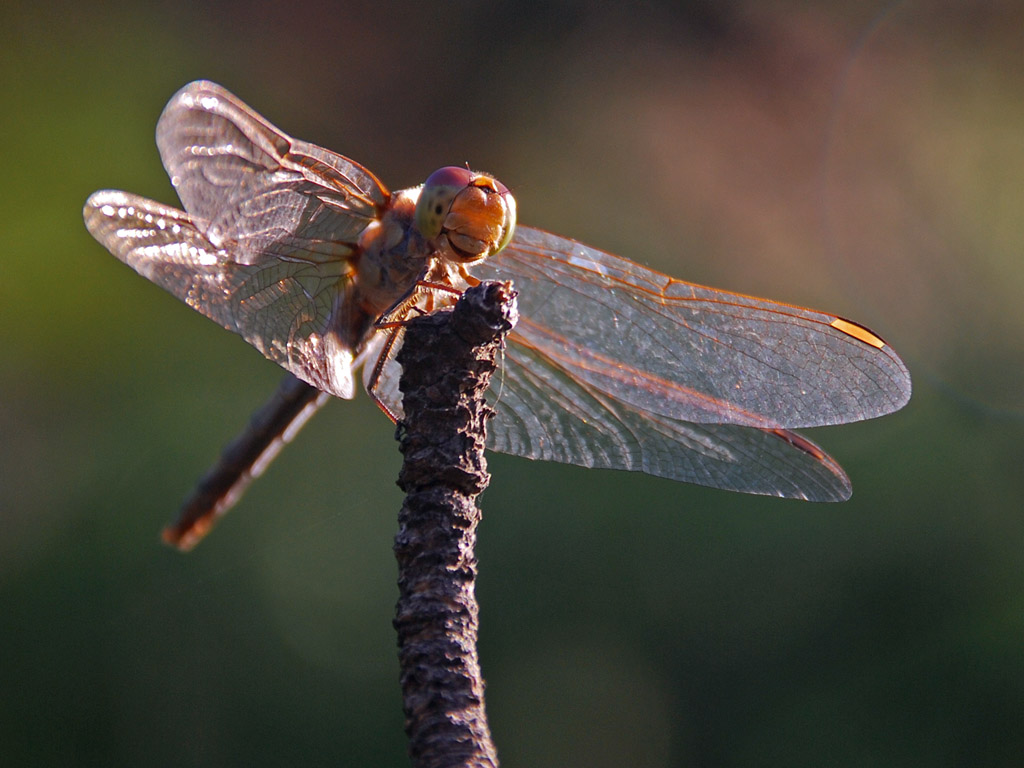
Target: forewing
[[244, 180], [661, 348], [283, 307]]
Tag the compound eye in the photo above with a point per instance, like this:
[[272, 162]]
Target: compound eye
[[439, 190], [510, 216]]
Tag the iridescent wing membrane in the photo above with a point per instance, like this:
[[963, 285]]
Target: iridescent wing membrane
[[615, 365], [264, 248]]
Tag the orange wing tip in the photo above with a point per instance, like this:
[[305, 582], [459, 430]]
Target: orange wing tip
[[858, 332]]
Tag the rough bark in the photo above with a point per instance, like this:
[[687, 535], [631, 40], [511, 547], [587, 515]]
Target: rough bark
[[447, 360]]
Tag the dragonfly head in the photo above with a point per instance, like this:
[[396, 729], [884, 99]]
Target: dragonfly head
[[470, 215]]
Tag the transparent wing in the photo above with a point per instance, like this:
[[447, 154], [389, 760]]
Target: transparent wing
[[541, 413], [267, 244], [243, 179], [615, 365], [544, 412], [283, 307], [666, 348]]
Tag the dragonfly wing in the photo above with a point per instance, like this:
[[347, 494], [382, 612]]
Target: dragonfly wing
[[283, 307], [668, 349], [268, 243], [243, 179], [543, 413]]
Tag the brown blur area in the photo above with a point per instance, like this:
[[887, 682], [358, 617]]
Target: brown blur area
[[865, 159]]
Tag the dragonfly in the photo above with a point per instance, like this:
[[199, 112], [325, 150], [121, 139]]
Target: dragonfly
[[314, 262]]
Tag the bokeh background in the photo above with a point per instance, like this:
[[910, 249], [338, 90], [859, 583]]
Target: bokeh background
[[862, 157]]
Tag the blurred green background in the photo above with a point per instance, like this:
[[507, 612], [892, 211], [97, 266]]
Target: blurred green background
[[865, 158]]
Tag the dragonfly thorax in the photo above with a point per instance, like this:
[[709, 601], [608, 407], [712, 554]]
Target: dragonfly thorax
[[393, 256]]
